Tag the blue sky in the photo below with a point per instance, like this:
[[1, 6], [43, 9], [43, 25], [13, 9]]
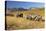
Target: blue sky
[[18, 4]]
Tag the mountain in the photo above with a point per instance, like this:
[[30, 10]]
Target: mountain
[[22, 9], [16, 9]]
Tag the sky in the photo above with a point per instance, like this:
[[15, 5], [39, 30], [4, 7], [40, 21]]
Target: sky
[[28, 0], [26, 5]]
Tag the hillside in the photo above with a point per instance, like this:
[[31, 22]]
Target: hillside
[[14, 23]]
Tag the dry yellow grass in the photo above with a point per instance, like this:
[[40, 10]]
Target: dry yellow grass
[[22, 23]]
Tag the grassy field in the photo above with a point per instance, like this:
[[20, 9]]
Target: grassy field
[[14, 23]]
